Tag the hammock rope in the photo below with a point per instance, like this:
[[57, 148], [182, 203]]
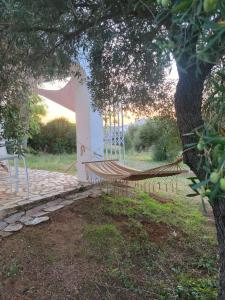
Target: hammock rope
[[113, 170]]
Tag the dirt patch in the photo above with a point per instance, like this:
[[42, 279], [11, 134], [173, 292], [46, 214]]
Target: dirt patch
[[47, 261], [157, 232]]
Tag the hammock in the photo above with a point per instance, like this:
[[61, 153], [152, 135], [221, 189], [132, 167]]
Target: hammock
[[113, 170]]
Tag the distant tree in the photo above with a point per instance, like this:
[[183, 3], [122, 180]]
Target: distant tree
[[130, 136], [56, 136], [165, 146]]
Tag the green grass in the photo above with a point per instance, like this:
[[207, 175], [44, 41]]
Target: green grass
[[154, 250], [178, 214], [103, 239], [60, 162], [52, 162], [142, 160]]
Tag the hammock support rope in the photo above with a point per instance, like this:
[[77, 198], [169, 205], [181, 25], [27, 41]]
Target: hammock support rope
[[113, 170]]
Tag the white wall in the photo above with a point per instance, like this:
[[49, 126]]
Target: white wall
[[75, 96]]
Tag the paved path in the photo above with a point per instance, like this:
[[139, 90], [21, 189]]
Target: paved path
[[43, 184]]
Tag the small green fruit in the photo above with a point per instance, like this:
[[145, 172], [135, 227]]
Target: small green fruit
[[217, 153], [209, 5], [207, 192], [214, 177], [201, 146], [165, 3], [222, 184]]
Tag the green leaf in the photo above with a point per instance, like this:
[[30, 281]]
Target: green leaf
[[200, 184], [181, 6]]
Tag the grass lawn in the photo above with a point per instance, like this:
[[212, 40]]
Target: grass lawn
[[114, 248], [52, 162], [141, 160], [60, 162]]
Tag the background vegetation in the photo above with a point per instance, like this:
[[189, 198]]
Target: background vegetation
[[160, 134], [56, 136]]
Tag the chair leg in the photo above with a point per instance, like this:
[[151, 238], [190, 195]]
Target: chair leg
[[16, 173], [27, 177], [10, 174]]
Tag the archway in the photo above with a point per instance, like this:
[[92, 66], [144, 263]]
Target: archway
[[89, 126]]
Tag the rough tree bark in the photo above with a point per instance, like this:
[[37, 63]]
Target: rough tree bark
[[188, 104], [219, 215]]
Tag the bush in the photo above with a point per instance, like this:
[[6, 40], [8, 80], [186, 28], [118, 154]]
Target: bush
[[130, 136], [160, 134], [147, 135], [57, 136], [159, 151]]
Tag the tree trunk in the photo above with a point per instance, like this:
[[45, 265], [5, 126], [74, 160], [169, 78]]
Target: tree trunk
[[219, 216], [188, 104]]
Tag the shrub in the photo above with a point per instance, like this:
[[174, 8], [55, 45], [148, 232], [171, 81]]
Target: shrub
[[147, 135], [57, 136], [160, 134], [130, 135]]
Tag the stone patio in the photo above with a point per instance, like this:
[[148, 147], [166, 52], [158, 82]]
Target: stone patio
[[49, 192], [43, 185]]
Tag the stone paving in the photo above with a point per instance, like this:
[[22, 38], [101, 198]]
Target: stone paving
[[42, 213], [49, 192], [43, 184]]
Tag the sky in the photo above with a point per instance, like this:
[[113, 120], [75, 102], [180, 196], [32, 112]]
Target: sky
[[55, 110], [173, 74]]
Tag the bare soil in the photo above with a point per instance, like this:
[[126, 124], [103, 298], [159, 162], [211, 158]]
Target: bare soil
[[48, 259]]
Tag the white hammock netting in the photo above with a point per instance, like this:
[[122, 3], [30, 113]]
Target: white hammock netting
[[112, 170]]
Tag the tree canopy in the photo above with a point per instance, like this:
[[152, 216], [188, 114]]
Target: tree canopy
[[129, 45]]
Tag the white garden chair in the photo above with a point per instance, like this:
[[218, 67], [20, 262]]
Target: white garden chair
[[9, 172]]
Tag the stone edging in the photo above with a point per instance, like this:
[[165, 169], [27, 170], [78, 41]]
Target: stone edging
[[33, 214]]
